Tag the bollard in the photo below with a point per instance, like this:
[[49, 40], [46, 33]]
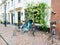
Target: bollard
[[33, 30], [14, 33]]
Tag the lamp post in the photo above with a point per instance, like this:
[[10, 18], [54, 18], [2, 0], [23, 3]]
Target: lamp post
[[4, 3], [5, 14]]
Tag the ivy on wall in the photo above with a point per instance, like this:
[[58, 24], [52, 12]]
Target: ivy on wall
[[38, 12]]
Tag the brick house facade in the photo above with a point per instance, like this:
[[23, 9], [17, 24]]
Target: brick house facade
[[55, 4]]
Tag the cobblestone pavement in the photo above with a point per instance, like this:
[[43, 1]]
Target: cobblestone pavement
[[25, 38]]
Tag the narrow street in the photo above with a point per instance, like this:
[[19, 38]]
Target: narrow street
[[23, 38]]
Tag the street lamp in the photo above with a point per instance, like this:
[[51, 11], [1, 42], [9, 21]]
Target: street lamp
[[5, 14], [53, 12], [4, 3]]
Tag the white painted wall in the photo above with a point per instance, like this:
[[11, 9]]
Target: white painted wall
[[1, 13], [16, 17], [22, 14], [49, 12], [23, 5], [10, 18]]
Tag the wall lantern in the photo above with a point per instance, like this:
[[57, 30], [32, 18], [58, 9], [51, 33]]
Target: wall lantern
[[53, 12]]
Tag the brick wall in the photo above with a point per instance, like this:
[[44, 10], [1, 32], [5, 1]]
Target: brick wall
[[56, 7]]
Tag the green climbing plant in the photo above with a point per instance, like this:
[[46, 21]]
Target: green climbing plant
[[38, 12]]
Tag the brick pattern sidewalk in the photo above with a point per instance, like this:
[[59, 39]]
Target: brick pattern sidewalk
[[2, 41], [24, 39]]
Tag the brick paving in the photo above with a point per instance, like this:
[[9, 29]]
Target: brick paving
[[26, 38], [2, 41]]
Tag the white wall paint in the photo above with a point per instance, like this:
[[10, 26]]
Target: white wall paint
[[22, 5]]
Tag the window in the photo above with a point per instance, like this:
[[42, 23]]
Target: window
[[19, 0], [19, 18], [11, 2]]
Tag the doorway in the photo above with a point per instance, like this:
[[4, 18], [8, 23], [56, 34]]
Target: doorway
[[12, 18], [19, 18]]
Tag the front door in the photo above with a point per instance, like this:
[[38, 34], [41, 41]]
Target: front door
[[12, 18], [56, 7], [18, 18]]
